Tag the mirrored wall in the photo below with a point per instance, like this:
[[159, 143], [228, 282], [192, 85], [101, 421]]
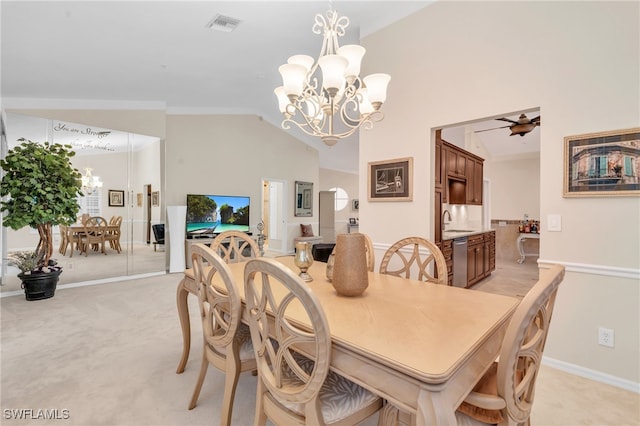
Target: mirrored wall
[[122, 178]]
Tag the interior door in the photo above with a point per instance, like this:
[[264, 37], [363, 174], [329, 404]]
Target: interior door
[[273, 214]]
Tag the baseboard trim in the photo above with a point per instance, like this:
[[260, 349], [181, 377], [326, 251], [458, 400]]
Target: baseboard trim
[[88, 283], [594, 375], [610, 271]]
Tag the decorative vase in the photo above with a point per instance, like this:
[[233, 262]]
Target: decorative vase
[[350, 273], [38, 286], [304, 259]]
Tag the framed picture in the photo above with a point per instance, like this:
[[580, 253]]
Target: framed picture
[[155, 198], [602, 164], [355, 204], [391, 180], [352, 221], [304, 199], [116, 198], [139, 199]]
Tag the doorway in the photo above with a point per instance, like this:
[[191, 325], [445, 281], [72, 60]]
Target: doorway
[[511, 186], [273, 215]]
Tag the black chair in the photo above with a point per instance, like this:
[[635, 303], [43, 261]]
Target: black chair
[[158, 233]]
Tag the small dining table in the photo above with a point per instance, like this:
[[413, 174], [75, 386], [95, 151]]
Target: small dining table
[[421, 346]]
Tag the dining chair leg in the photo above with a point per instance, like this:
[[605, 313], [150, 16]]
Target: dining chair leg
[[260, 417], [203, 372], [185, 325], [232, 374]]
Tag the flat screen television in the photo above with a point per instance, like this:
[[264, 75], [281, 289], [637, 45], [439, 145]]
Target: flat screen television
[[208, 215]]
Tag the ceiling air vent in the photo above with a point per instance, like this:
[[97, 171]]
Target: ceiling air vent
[[223, 23]]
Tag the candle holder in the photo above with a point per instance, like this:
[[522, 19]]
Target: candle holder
[[304, 259]]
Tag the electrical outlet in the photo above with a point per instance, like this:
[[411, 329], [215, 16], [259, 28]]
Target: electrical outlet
[[606, 337]]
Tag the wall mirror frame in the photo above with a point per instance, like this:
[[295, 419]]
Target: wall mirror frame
[[304, 199]]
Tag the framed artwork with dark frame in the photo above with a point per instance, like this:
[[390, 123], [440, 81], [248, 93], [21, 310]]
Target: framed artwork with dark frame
[[602, 164], [155, 198], [355, 204], [390, 180], [304, 199], [116, 198]]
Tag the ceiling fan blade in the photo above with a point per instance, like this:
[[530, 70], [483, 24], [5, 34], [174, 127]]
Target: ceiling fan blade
[[507, 119], [495, 128], [536, 120]]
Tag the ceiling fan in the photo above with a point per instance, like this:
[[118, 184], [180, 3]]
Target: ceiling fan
[[521, 127]]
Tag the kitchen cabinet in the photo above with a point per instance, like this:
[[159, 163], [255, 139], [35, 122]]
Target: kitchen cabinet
[[475, 259], [447, 251], [474, 181]]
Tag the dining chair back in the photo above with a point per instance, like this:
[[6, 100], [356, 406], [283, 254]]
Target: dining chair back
[[226, 341], [417, 258], [371, 255], [95, 230], [295, 385], [235, 246], [114, 233], [506, 392]]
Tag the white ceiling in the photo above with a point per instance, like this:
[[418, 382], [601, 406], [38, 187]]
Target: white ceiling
[[161, 53]]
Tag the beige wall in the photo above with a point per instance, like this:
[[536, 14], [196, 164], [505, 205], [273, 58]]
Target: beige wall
[[515, 188], [579, 63], [231, 155]]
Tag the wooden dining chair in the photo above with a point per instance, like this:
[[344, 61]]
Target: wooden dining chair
[[68, 239], [295, 385], [226, 341], [413, 257], [95, 229], [371, 255], [114, 233], [231, 246], [235, 246], [505, 394]]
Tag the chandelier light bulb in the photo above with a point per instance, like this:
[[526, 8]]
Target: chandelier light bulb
[[354, 54], [327, 98], [293, 79], [376, 85]]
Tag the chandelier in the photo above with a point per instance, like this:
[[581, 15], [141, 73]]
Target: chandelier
[[343, 102], [89, 182]]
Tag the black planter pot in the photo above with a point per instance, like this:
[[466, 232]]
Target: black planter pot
[[39, 285]]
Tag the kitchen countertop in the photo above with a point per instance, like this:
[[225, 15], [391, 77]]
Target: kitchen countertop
[[448, 235]]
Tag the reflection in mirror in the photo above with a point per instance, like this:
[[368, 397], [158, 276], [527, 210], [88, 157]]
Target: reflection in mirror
[[304, 199], [128, 165]]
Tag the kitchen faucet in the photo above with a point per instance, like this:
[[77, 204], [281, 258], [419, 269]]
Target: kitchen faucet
[[446, 212]]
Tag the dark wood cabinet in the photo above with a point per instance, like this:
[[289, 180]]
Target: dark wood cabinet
[[475, 259], [447, 251], [474, 181]]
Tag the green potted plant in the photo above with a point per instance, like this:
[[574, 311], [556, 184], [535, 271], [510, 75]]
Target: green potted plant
[[42, 189]]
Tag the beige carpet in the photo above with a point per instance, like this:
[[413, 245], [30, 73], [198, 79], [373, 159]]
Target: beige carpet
[[98, 266], [107, 354]]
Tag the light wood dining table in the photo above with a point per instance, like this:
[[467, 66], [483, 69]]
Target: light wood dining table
[[421, 346]]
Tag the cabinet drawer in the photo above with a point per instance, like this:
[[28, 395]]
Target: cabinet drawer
[[475, 239]]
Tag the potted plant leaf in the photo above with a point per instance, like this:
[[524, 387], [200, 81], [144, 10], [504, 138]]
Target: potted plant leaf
[[42, 189]]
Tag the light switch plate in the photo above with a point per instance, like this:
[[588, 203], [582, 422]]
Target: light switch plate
[[554, 223]]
